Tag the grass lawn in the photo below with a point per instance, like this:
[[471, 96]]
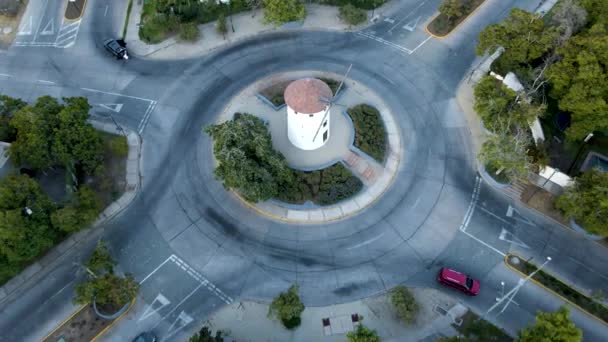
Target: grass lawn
[[442, 25], [586, 303]]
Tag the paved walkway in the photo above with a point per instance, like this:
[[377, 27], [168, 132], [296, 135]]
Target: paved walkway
[[377, 177], [246, 24], [38, 270], [248, 321]]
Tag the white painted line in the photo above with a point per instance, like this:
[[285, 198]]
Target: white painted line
[[144, 122], [49, 28], [386, 42], [416, 203], [71, 30], [115, 107], [419, 45], [106, 11], [151, 310], [509, 211], [116, 94], [6, 75], [178, 304], [495, 216], [154, 271], [224, 297], [407, 16], [411, 26], [48, 82], [366, 242], [184, 320], [483, 243], [46, 5], [28, 24], [389, 20], [505, 234]]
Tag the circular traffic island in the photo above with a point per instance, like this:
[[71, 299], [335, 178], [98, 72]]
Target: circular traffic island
[[299, 147]]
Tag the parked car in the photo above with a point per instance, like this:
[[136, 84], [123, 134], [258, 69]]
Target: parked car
[[459, 281], [145, 337], [117, 47]]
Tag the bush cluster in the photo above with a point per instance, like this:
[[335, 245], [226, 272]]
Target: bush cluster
[[370, 134], [363, 4], [323, 187], [352, 15]]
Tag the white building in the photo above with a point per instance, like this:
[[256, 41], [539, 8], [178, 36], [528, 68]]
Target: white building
[[307, 101]]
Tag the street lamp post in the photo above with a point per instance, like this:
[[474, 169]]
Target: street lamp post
[[580, 149], [511, 294]]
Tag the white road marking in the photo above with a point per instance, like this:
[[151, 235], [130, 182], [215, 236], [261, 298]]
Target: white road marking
[[511, 211], [411, 26], [469, 214], [116, 94], [386, 42], [366, 242], [407, 16], [46, 5], [419, 45], [48, 29], [495, 216], [48, 82], [151, 309], [227, 299], [505, 234], [28, 24], [146, 118], [178, 304], [416, 203], [154, 271], [6, 75], [106, 11], [115, 107], [184, 319], [389, 20]]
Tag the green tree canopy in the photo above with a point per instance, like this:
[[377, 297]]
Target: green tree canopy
[[405, 304], [551, 327], [363, 334], [8, 107], [101, 261], [221, 27], [287, 306], [49, 133], [586, 201], [247, 161], [278, 12], [205, 335], [81, 212], [580, 81], [507, 151], [524, 36], [107, 289], [451, 8], [25, 226], [352, 15]]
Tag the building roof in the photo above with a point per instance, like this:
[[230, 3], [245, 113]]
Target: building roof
[[306, 95]]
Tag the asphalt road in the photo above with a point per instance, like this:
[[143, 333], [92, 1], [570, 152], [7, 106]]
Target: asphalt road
[[194, 247]]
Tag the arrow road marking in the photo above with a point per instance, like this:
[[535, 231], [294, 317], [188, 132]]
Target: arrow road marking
[[507, 236], [26, 28], [183, 319], [115, 107], [511, 211], [412, 24], [157, 304]]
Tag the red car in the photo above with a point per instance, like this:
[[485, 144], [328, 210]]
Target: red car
[[458, 281]]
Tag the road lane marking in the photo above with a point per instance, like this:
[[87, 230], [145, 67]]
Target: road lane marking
[[407, 16], [184, 320], [505, 234], [44, 81], [419, 45], [178, 304], [151, 310], [154, 271]]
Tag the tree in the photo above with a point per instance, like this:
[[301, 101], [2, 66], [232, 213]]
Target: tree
[[363, 334], [101, 261], [278, 12], [25, 227], [507, 151], [451, 8], [107, 290], [81, 212], [205, 335], [405, 304], [551, 327], [287, 307], [352, 15], [247, 161], [524, 36], [8, 107], [586, 201], [580, 81], [570, 17], [221, 26]]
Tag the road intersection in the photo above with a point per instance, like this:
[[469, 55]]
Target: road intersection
[[194, 247]]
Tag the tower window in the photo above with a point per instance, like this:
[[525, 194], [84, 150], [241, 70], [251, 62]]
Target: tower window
[[325, 136], [325, 123]]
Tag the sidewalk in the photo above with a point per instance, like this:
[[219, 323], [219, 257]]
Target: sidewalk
[[248, 321], [38, 270], [246, 25]]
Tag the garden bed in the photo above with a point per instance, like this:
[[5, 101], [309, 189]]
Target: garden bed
[[323, 187], [501, 178], [84, 325], [370, 134], [583, 302], [441, 25], [475, 329], [110, 181]]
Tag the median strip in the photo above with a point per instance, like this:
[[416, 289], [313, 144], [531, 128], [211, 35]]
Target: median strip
[[452, 14], [75, 9], [558, 288]]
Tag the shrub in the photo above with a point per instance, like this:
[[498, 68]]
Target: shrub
[[586, 201], [278, 12], [370, 134], [158, 28], [287, 307], [363, 334], [364, 4], [188, 32], [221, 26], [352, 15], [405, 304], [118, 146]]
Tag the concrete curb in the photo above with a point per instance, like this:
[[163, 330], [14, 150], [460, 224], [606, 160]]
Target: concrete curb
[[550, 290], [115, 321], [65, 321], [48, 262]]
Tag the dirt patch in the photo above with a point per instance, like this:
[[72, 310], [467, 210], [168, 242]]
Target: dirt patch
[[83, 326], [442, 25], [275, 92], [74, 9], [542, 201], [11, 23]]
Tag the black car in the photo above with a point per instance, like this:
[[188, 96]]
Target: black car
[[145, 337], [117, 47]]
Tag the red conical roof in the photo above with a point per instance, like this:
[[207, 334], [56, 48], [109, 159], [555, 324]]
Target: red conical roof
[[307, 95]]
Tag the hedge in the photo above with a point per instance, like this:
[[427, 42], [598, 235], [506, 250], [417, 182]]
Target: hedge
[[370, 134]]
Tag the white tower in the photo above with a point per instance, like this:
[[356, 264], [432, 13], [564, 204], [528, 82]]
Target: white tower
[[307, 101]]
